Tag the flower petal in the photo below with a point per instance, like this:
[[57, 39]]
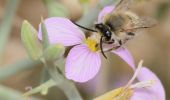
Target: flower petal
[[143, 94], [82, 64], [103, 12], [126, 56], [155, 92], [62, 30]]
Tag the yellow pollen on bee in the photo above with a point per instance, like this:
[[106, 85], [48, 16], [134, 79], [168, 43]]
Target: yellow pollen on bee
[[91, 44]]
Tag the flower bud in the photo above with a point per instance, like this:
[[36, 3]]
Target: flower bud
[[30, 40], [53, 52]]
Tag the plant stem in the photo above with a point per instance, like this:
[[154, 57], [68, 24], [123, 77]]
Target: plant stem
[[6, 23], [44, 76], [64, 84], [50, 83], [70, 90]]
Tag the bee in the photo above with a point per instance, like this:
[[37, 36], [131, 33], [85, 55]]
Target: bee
[[120, 25]]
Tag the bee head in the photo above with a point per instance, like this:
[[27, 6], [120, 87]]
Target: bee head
[[104, 30]]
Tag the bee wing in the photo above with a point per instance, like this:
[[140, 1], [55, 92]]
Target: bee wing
[[141, 23], [123, 5]]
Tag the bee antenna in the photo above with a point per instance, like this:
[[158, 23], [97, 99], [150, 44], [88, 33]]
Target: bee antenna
[[85, 27], [101, 47]]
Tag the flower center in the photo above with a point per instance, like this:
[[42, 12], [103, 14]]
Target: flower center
[[91, 44]]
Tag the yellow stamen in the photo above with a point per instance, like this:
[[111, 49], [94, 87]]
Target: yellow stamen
[[117, 94], [91, 43]]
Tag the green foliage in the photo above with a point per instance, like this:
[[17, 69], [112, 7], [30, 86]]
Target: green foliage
[[30, 40]]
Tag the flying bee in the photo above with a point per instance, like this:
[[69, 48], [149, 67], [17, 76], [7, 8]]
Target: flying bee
[[120, 25]]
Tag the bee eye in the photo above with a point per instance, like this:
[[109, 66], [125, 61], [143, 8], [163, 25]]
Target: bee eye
[[107, 32]]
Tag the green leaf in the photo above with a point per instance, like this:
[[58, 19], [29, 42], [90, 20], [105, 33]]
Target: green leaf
[[54, 51], [30, 40]]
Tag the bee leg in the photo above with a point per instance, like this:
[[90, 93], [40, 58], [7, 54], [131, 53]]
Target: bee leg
[[120, 42], [118, 47], [101, 47], [131, 33]]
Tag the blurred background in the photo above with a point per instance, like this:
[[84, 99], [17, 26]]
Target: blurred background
[[153, 46]]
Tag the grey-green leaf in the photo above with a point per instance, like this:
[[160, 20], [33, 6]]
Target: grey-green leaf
[[30, 40]]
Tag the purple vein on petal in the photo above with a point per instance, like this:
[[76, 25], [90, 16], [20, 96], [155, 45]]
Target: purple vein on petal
[[143, 94], [83, 73], [75, 54], [126, 56], [82, 64], [62, 30]]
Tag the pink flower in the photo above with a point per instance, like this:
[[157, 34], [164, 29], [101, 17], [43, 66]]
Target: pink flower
[[149, 87], [83, 60]]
